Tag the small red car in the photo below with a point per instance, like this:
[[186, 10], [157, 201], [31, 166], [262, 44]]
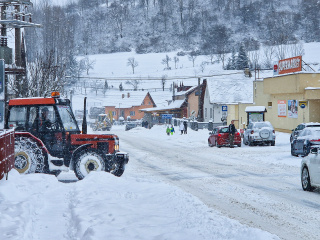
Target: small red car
[[220, 137]]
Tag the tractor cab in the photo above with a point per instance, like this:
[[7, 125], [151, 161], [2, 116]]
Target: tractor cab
[[49, 119]]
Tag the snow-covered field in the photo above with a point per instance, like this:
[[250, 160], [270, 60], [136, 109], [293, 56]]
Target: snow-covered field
[[174, 187]]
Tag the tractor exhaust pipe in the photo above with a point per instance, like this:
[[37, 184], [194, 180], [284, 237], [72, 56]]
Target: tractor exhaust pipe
[[84, 121]]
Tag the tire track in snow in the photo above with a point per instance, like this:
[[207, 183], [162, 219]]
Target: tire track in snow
[[245, 187]]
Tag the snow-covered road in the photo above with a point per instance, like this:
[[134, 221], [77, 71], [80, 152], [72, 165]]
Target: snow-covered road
[[174, 187], [258, 186]]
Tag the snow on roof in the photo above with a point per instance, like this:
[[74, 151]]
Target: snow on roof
[[230, 89], [124, 99], [174, 105], [161, 98], [135, 98], [312, 88], [256, 109], [186, 92]]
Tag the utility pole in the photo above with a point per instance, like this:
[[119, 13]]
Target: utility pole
[[14, 14], [200, 103]]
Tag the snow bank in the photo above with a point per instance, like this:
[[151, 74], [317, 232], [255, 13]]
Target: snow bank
[[102, 206]]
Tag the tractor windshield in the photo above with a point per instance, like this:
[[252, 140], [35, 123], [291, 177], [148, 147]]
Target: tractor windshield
[[67, 118]]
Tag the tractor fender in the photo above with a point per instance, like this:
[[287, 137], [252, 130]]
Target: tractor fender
[[76, 151], [37, 140]]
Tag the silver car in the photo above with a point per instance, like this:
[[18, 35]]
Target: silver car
[[310, 170], [259, 133]]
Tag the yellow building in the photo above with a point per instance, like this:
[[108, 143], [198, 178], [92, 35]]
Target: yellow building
[[289, 100]]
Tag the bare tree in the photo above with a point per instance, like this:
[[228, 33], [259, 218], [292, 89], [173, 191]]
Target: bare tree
[[87, 64], [254, 58], [211, 57], [203, 66], [192, 57], [166, 61], [133, 63], [134, 83], [119, 13], [269, 54], [163, 81], [176, 60], [43, 77], [296, 49], [282, 51]]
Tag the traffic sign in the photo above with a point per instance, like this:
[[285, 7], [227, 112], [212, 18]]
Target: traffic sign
[[166, 116]]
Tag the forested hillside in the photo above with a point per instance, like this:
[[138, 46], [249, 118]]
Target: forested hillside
[[211, 27]]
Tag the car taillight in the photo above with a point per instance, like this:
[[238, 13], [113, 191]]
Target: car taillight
[[315, 140], [252, 131], [11, 126], [237, 133], [219, 135]]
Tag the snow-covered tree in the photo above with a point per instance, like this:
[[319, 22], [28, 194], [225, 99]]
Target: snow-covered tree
[[166, 61], [232, 61], [132, 63], [242, 61], [134, 83]]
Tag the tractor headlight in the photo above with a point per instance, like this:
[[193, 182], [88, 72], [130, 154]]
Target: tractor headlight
[[116, 147]]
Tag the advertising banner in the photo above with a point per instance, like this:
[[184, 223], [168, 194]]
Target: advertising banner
[[290, 65], [282, 108], [292, 108]]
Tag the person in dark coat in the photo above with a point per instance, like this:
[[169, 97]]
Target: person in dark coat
[[232, 131], [185, 127]]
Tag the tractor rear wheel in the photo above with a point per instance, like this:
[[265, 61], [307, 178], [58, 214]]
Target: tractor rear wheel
[[29, 157], [86, 161]]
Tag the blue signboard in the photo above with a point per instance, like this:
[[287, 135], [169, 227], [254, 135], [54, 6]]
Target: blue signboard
[[224, 108], [166, 116]]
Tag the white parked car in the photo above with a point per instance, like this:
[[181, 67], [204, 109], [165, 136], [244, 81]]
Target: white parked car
[[310, 170], [259, 133]]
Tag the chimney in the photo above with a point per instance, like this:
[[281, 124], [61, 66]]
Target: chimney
[[128, 95], [122, 95]]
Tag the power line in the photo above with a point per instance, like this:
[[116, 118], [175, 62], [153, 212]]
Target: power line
[[155, 78]]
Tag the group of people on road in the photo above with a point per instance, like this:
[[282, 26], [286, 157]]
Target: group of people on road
[[182, 127], [170, 130]]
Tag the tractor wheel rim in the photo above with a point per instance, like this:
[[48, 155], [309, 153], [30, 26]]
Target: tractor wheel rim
[[21, 162], [91, 165]]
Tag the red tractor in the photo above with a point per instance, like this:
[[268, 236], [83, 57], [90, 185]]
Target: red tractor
[[48, 140]]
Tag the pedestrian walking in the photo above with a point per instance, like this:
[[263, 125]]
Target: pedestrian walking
[[185, 127], [181, 127], [172, 130], [232, 131], [168, 130]]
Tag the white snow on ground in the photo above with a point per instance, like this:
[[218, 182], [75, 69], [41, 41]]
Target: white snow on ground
[[102, 206]]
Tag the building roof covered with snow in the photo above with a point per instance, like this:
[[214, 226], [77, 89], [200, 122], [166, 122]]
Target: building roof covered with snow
[[230, 88]]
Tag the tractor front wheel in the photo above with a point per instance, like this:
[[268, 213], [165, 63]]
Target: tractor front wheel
[[29, 157], [86, 161]]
